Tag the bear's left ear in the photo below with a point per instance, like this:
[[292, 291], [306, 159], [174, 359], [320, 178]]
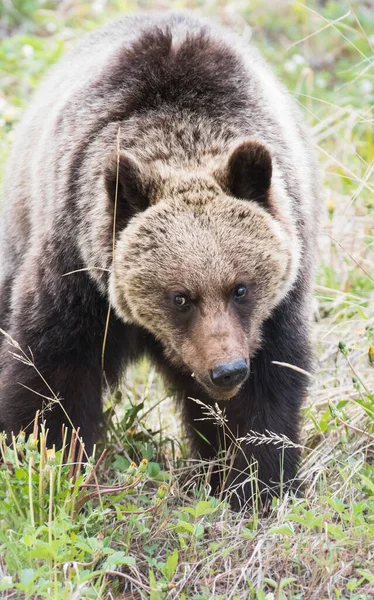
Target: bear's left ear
[[247, 173], [125, 179]]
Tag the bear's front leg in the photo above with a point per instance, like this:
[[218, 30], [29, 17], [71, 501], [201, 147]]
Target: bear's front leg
[[256, 457], [59, 323], [63, 391]]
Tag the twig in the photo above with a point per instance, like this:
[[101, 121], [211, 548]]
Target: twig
[[356, 429], [134, 581]]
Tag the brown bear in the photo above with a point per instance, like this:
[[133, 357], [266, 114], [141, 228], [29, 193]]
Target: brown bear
[[164, 172]]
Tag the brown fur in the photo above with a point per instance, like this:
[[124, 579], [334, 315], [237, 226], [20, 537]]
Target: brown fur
[[201, 242], [217, 186]]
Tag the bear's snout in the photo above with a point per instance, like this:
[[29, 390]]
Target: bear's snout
[[229, 375]]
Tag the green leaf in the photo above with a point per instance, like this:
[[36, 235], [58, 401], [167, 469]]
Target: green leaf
[[285, 529], [204, 507], [271, 582], [183, 526], [198, 530], [153, 469], [354, 583], [155, 594], [336, 504], [368, 482], [27, 575], [118, 558], [171, 565], [28, 540], [368, 575], [6, 584], [42, 551], [121, 463], [248, 534], [162, 476], [148, 448], [189, 509], [286, 581]]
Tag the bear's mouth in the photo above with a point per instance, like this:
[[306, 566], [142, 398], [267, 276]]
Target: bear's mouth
[[222, 395], [217, 393]]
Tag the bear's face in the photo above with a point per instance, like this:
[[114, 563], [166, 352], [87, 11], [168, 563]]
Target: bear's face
[[202, 277]]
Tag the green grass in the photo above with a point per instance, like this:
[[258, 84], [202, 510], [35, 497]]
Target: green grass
[[150, 529]]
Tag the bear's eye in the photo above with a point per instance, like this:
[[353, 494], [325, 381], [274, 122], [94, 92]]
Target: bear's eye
[[181, 301], [240, 292]]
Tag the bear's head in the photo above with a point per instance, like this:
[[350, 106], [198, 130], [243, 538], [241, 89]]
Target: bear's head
[[203, 266]]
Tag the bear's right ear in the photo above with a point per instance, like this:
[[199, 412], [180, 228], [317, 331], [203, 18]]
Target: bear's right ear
[[128, 183]]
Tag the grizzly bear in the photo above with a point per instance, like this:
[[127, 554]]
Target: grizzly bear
[[163, 176]]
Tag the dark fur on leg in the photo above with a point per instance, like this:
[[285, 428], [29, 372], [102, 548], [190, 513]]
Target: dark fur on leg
[[270, 401], [62, 336]]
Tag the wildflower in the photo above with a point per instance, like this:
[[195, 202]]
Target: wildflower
[[371, 355], [343, 348], [32, 444], [161, 492], [21, 438], [132, 469], [51, 456], [143, 466]]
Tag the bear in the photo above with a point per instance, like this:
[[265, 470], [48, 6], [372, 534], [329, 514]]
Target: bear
[[162, 199]]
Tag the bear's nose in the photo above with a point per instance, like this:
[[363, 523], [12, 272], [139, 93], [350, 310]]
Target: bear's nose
[[229, 375]]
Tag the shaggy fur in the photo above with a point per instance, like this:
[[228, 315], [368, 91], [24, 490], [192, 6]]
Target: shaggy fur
[[217, 187]]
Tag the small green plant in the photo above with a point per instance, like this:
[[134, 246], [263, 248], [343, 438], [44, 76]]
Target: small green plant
[[54, 513]]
